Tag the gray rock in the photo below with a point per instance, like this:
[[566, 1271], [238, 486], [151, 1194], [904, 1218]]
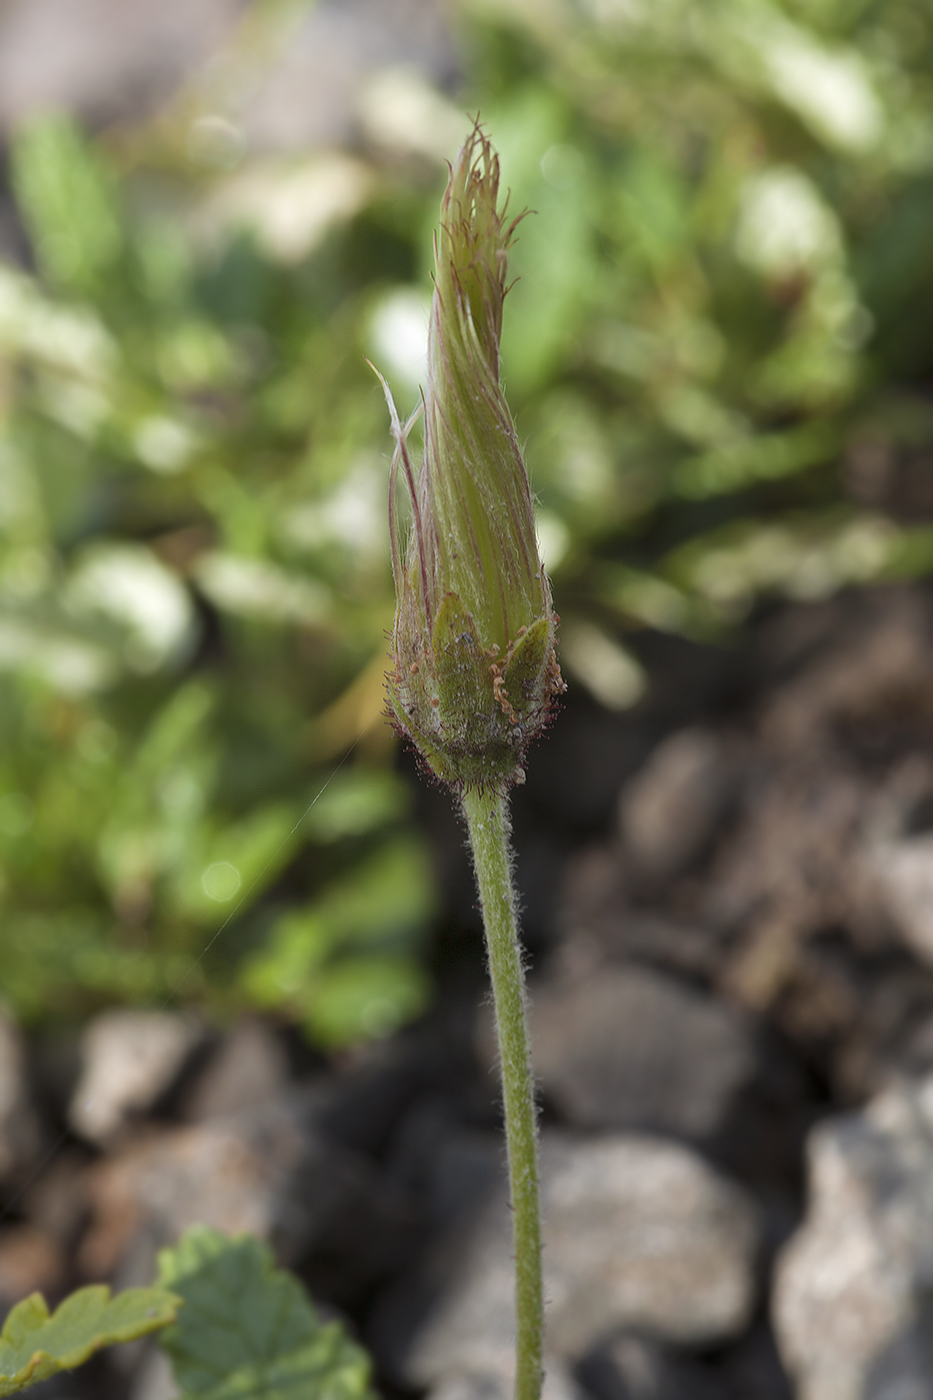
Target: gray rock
[[903, 871], [269, 1172], [153, 1378], [131, 1058], [627, 1047], [299, 87], [867, 660], [638, 1233], [558, 1385], [633, 1367], [249, 1068], [853, 1307], [102, 57], [55, 1200], [311, 93], [20, 1129], [31, 1261], [670, 810], [752, 1367]]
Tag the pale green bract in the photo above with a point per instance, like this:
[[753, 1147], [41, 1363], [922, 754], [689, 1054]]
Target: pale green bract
[[35, 1345], [475, 668], [248, 1330]]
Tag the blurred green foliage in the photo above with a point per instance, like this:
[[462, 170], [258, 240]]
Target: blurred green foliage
[[719, 354]]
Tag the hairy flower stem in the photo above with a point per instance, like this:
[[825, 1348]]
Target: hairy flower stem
[[488, 825]]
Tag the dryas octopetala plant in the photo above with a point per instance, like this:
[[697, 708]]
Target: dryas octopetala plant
[[475, 670]]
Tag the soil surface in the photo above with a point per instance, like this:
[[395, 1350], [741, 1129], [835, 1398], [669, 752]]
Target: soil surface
[[727, 917]]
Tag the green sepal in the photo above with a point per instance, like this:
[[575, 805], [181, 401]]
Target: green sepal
[[35, 1345], [463, 684], [470, 714], [524, 674]]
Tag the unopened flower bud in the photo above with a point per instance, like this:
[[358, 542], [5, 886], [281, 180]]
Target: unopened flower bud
[[475, 668]]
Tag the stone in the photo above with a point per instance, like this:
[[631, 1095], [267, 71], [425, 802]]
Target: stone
[[31, 1261], [599, 922], [153, 1378], [671, 809], [753, 1367], [102, 57], [903, 871], [249, 1067], [896, 852], [630, 1366], [56, 1199], [500, 1385], [638, 1233], [311, 93], [20, 1128], [853, 1307], [303, 86], [628, 1047], [867, 667], [130, 1059], [268, 1171], [376, 1085]]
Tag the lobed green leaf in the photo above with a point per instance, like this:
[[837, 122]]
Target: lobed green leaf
[[35, 1345], [249, 1331]]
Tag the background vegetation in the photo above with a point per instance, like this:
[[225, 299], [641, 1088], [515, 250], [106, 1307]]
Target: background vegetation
[[719, 354]]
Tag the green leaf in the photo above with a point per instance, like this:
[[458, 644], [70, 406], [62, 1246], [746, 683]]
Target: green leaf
[[68, 201], [34, 1346], [355, 802], [361, 997], [344, 964], [249, 1331]]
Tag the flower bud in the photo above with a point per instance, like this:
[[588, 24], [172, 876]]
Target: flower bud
[[475, 668]]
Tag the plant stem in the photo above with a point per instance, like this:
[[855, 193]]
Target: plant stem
[[488, 825]]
